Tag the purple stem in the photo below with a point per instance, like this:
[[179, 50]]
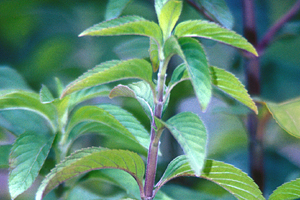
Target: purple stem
[[276, 27], [153, 148], [252, 66], [252, 70], [151, 164]]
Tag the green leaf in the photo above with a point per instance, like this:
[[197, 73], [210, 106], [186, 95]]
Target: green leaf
[[27, 157], [154, 55], [228, 83], [141, 91], [168, 16], [158, 4], [238, 183], [23, 100], [227, 176], [89, 159], [11, 79], [197, 66], [59, 86], [115, 8], [4, 155], [112, 71], [287, 115], [45, 95], [287, 191], [129, 25], [190, 133], [210, 30], [172, 47], [219, 11], [113, 122]]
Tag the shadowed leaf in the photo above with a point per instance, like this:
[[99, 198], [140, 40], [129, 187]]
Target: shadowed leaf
[[219, 11], [138, 48], [11, 79], [4, 155], [114, 8]]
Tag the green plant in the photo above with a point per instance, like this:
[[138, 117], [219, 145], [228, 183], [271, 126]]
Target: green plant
[[128, 141]]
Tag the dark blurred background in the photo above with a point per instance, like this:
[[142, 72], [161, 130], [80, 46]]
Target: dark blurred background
[[39, 39]]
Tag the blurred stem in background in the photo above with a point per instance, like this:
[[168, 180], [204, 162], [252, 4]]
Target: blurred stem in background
[[255, 125]]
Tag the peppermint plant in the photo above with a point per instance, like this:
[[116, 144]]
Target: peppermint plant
[[130, 154]]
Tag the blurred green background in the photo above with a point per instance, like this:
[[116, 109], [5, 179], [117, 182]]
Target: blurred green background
[[39, 40]]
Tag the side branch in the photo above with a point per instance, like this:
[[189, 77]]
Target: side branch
[[200, 10], [276, 27]]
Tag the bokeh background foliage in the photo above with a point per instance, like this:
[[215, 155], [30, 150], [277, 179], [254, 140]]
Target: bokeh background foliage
[[38, 41]]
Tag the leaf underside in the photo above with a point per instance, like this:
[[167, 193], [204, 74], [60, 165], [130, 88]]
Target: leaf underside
[[26, 159], [89, 159], [23, 100], [119, 126], [197, 67], [227, 176], [287, 115], [141, 91], [190, 133], [130, 123]]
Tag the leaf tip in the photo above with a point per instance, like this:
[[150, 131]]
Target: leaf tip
[[82, 34], [255, 53], [255, 110]]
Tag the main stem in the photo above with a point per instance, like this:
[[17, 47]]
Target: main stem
[[252, 67], [153, 148]]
